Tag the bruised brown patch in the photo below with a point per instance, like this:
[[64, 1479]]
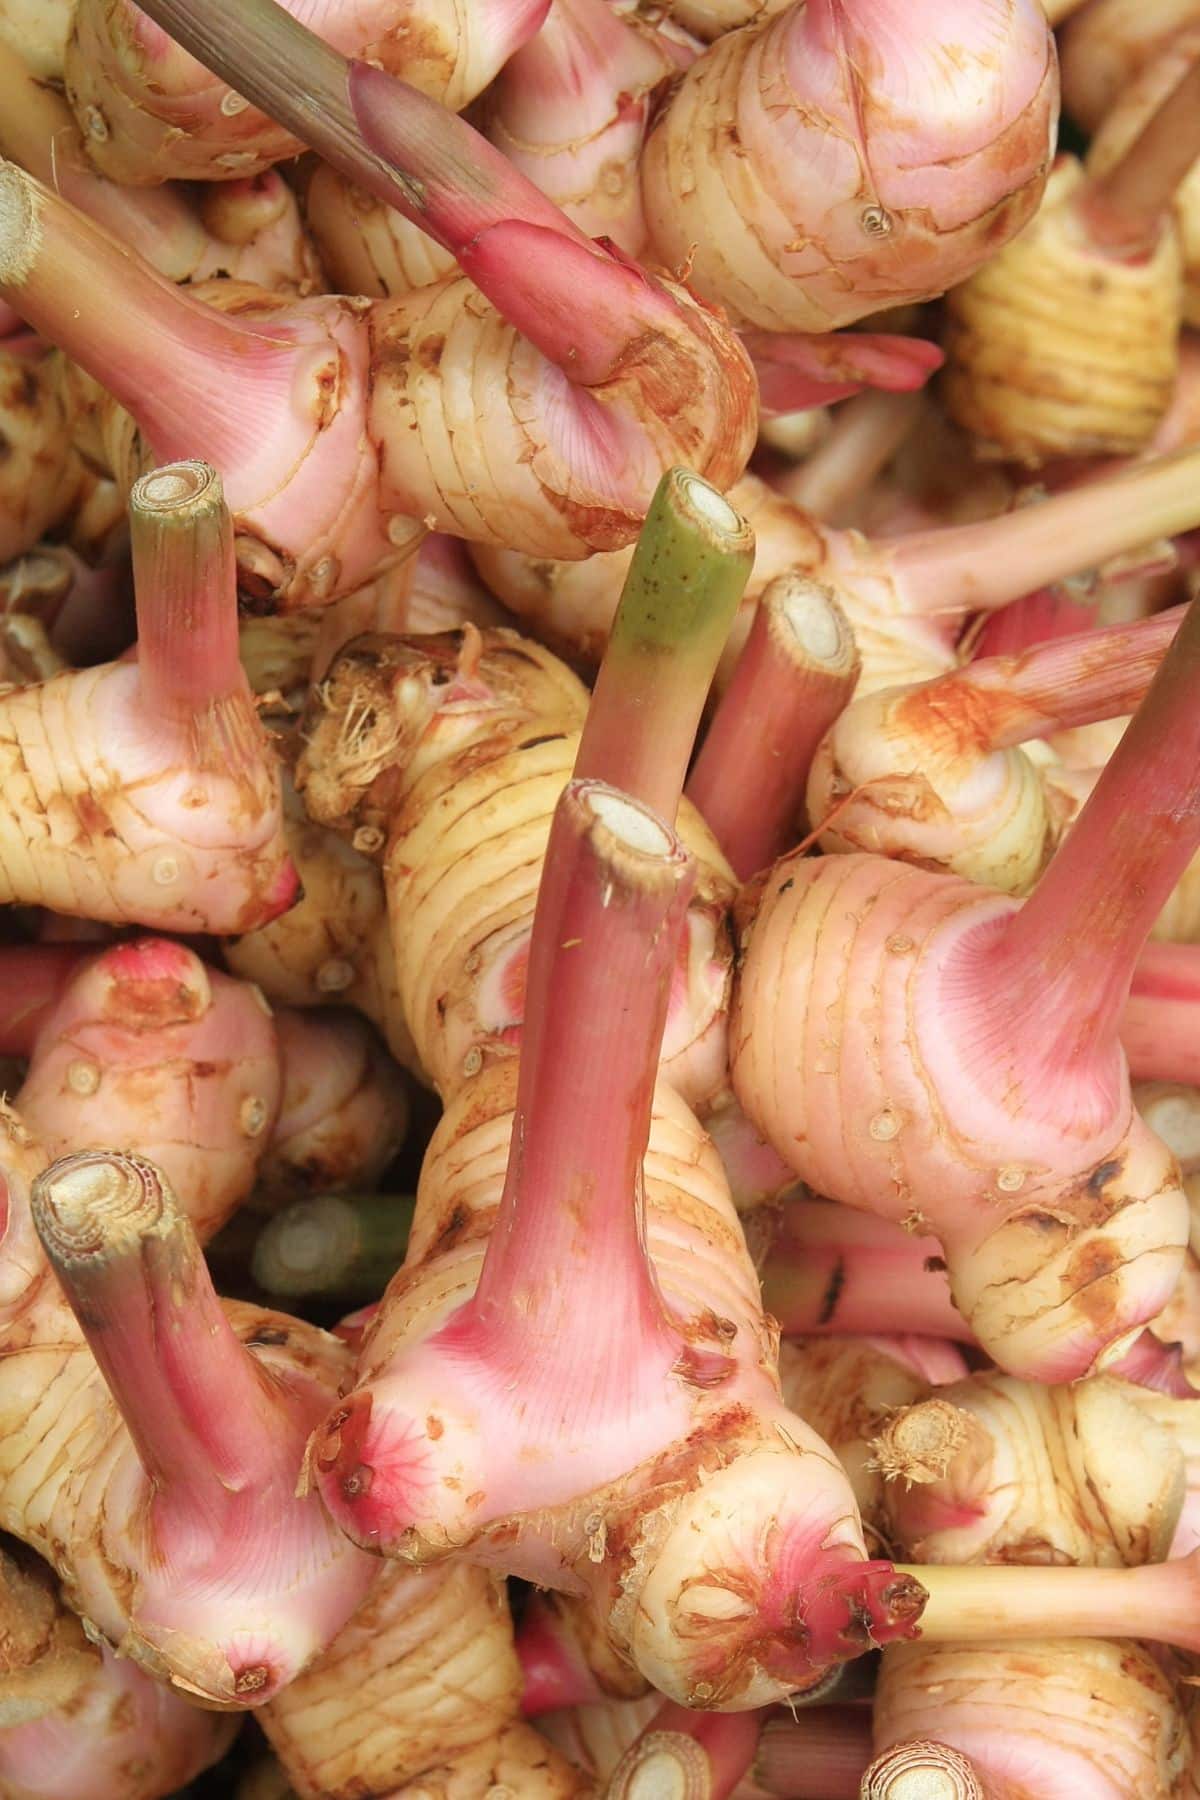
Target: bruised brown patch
[[1090, 1278]]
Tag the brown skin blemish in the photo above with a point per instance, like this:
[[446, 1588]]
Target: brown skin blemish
[[833, 1291], [430, 350], [92, 817], [1100, 1177], [434, 1427], [1092, 1276]]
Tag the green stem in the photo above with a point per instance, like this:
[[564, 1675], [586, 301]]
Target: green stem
[[345, 1245], [690, 566]]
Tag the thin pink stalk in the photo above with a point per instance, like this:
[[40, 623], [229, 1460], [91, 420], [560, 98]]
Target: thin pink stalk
[[185, 583], [197, 1405], [211, 1562], [1160, 1026], [443, 176], [999, 701], [819, 369], [1097, 902], [32, 980], [568, 1237], [689, 568], [1036, 618], [974, 568], [687, 1755], [820, 1753], [867, 431], [178, 366], [1005, 1604], [833, 1269], [795, 675], [1125, 209]]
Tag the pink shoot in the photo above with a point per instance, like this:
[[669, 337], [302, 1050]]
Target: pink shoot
[[1141, 825], [218, 1438], [571, 108], [1125, 209], [383, 1468], [1059, 1213], [794, 677], [973, 568], [253, 395], [932, 774], [1004, 1605], [865, 435], [1048, 612], [689, 568], [518, 247], [795, 373]]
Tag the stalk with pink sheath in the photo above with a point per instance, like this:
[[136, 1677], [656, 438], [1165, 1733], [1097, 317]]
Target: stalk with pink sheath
[[647, 376], [796, 673], [993, 1104], [1138, 101], [412, 744], [842, 158], [1160, 1026], [337, 444], [146, 791], [622, 1482], [151, 1454], [935, 774], [905, 596], [832, 1269], [247, 229], [149, 111]]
